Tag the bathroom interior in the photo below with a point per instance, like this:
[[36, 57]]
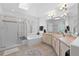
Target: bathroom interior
[[39, 29]]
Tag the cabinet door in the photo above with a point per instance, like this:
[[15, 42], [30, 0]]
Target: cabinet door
[[63, 49], [57, 46], [44, 38], [10, 34], [47, 38], [54, 43], [2, 34]]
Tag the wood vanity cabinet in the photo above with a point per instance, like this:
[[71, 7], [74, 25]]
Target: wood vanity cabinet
[[47, 38], [51, 40], [63, 48], [59, 46]]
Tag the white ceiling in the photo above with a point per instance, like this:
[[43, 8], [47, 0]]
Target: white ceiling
[[35, 9]]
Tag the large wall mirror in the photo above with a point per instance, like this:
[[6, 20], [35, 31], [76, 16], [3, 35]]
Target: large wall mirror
[[56, 25]]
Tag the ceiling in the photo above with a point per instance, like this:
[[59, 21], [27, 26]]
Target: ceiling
[[34, 9]]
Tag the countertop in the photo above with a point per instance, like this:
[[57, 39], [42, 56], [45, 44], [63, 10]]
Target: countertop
[[67, 39], [76, 42]]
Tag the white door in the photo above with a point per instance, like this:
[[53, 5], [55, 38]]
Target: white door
[[9, 34], [2, 34]]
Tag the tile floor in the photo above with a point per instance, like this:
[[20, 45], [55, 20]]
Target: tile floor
[[40, 49]]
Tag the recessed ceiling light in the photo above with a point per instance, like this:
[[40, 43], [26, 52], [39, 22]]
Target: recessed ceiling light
[[24, 6]]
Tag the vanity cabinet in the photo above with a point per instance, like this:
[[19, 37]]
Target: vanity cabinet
[[47, 38], [63, 49], [59, 46]]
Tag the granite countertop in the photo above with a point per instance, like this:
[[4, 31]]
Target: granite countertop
[[67, 39]]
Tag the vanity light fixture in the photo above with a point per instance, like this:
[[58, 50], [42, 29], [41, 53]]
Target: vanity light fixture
[[63, 7], [52, 13]]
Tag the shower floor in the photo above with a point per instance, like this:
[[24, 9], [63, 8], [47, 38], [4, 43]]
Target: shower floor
[[39, 49]]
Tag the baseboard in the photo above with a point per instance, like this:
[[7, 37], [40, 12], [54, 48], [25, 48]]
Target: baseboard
[[10, 51], [10, 47]]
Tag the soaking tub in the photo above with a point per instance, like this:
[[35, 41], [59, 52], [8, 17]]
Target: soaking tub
[[33, 39]]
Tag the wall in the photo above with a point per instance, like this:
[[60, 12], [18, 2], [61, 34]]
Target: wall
[[32, 24], [42, 22], [78, 20], [71, 19]]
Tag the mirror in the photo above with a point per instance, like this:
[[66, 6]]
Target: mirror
[[56, 25]]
